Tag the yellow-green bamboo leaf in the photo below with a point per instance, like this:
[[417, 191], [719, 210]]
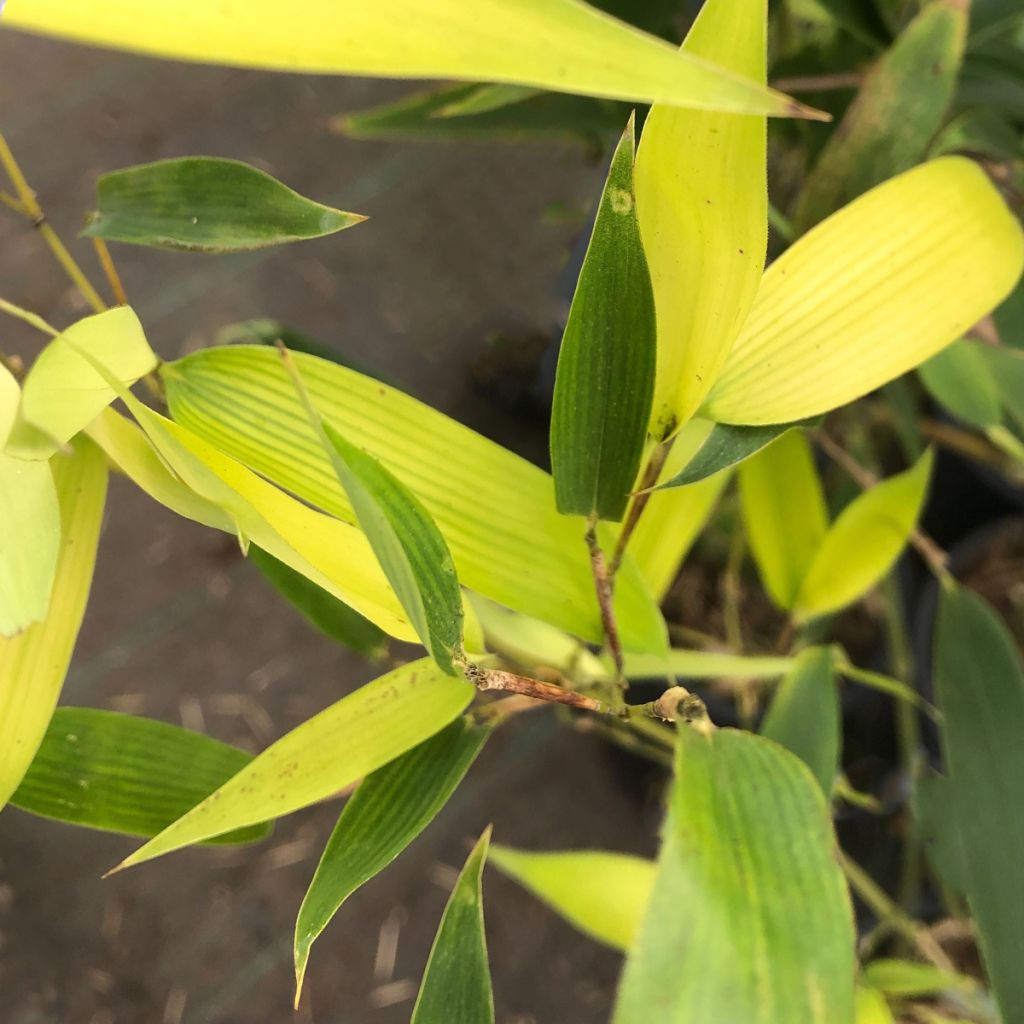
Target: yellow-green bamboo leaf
[[34, 663], [63, 393], [30, 528], [674, 518], [495, 510], [750, 918], [864, 542], [784, 514], [351, 738], [872, 1008], [870, 293], [684, 664], [602, 894], [702, 200], [10, 398], [564, 45]]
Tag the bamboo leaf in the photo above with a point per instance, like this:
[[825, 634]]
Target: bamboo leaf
[[750, 919], [332, 617], [351, 738], [456, 986], [496, 511], [903, 978], [804, 715], [122, 773], [485, 98], [931, 802], [10, 399], [725, 446], [207, 204], [960, 379], [703, 209], [980, 684], [386, 813], [899, 108], [1007, 368], [672, 520], [872, 1008], [552, 44], [30, 526], [784, 514], [404, 538], [864, 542], [545, 115], [605, 376], [870, 293], [63, 392], [602, 894], [685, 664], [34, 663]]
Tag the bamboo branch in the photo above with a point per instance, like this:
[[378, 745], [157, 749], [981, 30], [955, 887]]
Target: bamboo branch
[[655, 464], [605, 599]]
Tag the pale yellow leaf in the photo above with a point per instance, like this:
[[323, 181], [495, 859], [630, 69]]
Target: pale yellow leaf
[[553, 44], [864, 542], [871, 292], [63, 393], [34, 663], [702, 201], [784, 513], [344, 742]]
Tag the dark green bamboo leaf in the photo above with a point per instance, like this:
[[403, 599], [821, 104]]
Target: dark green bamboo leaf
[[750, 919], [727, 445], [930, 804], [545, 116], [959, 378], [121, 773], [386, 813], [980, 686], [456, 986], [605, 380], [332, 617], [860, 18], [1009, 318], [1007, 368], [487, 97], [804, 715], [206, 204], [409, 546], [898, 110]]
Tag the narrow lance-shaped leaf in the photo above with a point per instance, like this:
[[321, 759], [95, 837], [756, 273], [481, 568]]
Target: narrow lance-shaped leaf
[[33, 663], [872, 1008], [386, 813], [980, 685], [899, 108], [871, 292], [749, 919], [122, 773], [456, 986], [406, 541], [724, 446], [63, 393], [702, 200], [706, 665], [604, 895], [496, 511], [804, 715], [1007, 366], [332, 617], [909, 978], [864, 542], [207, 204], [351, 738], [784, 514], [605, 375], [552, 44]]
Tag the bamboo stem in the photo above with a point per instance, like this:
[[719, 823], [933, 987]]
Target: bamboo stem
[[655, 464], [113, 277], [605, 600]]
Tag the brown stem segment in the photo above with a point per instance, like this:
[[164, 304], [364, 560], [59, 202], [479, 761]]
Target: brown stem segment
[[935, 557], [509, 682], [605, 598], [110, 271], [636, 507]]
